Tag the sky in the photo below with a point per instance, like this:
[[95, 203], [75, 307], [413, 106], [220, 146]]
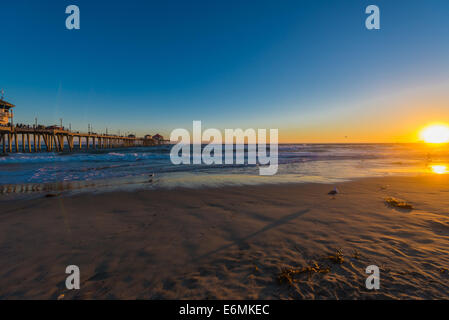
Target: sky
[[308, 68]]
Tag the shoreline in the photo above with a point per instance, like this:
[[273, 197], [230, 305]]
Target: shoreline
[[230, 242], [36, 190]]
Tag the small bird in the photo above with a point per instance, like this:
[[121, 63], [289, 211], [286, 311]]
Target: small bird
[[151, 177], [334, 192]]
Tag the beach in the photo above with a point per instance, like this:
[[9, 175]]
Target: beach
[[231, 242]]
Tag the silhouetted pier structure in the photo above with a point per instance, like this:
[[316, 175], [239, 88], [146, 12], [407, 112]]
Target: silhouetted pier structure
[[39, 138]]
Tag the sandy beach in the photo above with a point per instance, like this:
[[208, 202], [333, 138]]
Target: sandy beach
[[231, 243]]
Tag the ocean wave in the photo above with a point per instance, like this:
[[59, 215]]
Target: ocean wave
[[304, 159], [21, 158]]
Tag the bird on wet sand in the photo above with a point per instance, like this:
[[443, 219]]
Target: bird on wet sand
[[334, 191]]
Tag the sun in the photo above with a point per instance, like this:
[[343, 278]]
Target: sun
[[436, 133], [439, 169]]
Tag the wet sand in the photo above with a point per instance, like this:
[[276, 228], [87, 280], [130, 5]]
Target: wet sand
[[230, 243]]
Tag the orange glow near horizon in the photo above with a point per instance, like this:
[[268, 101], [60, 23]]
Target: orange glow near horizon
[[436, 133]]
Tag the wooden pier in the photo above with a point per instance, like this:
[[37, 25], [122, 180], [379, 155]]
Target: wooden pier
[[57, 140], [40, 138]]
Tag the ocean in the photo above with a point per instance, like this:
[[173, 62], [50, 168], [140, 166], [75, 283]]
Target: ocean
[[133, 167]]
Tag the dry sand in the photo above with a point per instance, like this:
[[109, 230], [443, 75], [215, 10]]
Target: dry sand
[[230, 243]]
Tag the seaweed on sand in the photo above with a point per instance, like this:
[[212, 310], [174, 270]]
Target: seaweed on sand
[[337, 258], [356, 254], [392, 202], [288, 274]]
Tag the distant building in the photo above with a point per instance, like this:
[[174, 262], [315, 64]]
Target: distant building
[[55, 127], [148, 137], [5, 112], [158, 137], [131, 136]]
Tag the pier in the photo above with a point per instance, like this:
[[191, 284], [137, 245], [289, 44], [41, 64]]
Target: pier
[[39, 138]]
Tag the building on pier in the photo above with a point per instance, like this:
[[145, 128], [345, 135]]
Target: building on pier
[[158, 137], [6, 114]]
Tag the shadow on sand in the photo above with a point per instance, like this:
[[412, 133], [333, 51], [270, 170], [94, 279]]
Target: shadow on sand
[[240, 241]]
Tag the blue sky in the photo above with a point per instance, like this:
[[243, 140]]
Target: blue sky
[[309, 68]]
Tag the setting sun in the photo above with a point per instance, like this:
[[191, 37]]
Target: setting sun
[[439, 169], [438, 133]]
